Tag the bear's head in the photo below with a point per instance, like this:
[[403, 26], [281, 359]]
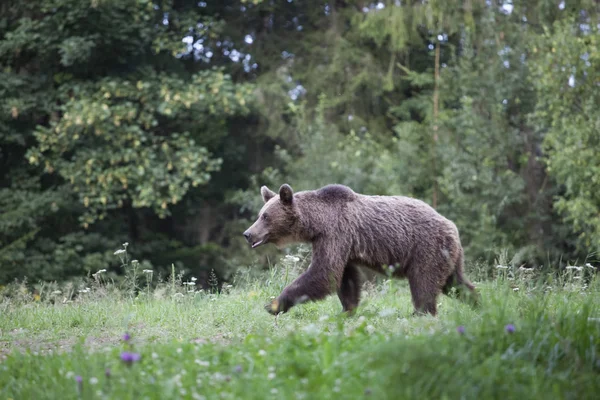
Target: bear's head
[[277, 220]]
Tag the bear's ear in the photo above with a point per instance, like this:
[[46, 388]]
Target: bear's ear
[[286, 194], [267, 194]]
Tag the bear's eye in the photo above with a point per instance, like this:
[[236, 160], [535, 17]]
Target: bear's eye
[[264, 216]]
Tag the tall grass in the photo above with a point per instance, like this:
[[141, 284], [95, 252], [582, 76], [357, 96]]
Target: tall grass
[[533, 337]]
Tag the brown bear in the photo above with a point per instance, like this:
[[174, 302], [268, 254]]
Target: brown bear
[[348, 230]]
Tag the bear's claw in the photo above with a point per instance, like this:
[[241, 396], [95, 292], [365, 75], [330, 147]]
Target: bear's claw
[[273, 307]]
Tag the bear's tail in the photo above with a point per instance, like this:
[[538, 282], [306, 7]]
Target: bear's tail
[[465, 289]]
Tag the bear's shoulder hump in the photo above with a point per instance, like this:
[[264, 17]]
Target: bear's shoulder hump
[[336, 192]]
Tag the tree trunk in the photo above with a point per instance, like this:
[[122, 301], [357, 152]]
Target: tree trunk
[[436, 96]]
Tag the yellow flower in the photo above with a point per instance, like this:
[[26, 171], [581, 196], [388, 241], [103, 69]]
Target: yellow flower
[[36, 297]]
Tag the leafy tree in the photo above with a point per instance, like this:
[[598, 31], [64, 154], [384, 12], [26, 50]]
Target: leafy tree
[[104, 110], [566, 75]]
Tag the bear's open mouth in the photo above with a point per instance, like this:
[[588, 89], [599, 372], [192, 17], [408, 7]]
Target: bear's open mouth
[[256, 244]]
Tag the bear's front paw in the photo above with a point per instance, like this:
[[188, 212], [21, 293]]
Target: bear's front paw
[[273, 307]]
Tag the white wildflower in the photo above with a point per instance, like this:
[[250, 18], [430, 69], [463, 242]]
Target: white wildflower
[[274, 391], [271, 375], [515, 289], [202, 363], [387, 312], [135, 262], [501, 267], [229, 286], [312, 329], [590, 266], [120, 251], [147, 271], [125, 244], [574, 267], [57, 292], [193, 279], [93, 380], [261, 352]]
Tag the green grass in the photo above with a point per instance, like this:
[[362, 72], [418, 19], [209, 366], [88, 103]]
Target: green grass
[[226, 346]]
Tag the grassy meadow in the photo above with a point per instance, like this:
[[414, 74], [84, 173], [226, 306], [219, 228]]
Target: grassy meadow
[[533, 337]]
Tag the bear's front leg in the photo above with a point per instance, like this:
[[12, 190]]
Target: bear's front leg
[[322, 278]]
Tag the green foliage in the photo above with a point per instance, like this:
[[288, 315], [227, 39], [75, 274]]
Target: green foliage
[[327, 156], [483, 147], [566, 75], [101, 115], [121, 142]]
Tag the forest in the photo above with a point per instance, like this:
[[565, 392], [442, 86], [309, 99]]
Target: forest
[[155, 123]]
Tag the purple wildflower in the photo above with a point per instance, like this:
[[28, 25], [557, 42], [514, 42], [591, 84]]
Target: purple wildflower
[[461, 330], [510, 328], [129, 357], [238, 369], [126, 337], [79, 381]]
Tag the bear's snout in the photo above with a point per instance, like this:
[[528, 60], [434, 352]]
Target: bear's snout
[[252, 239]]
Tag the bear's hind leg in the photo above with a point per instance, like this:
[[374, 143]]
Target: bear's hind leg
[[349, 291], [465, 291], [424, 294]]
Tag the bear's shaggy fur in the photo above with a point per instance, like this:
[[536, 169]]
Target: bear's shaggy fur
[[348, 230]]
